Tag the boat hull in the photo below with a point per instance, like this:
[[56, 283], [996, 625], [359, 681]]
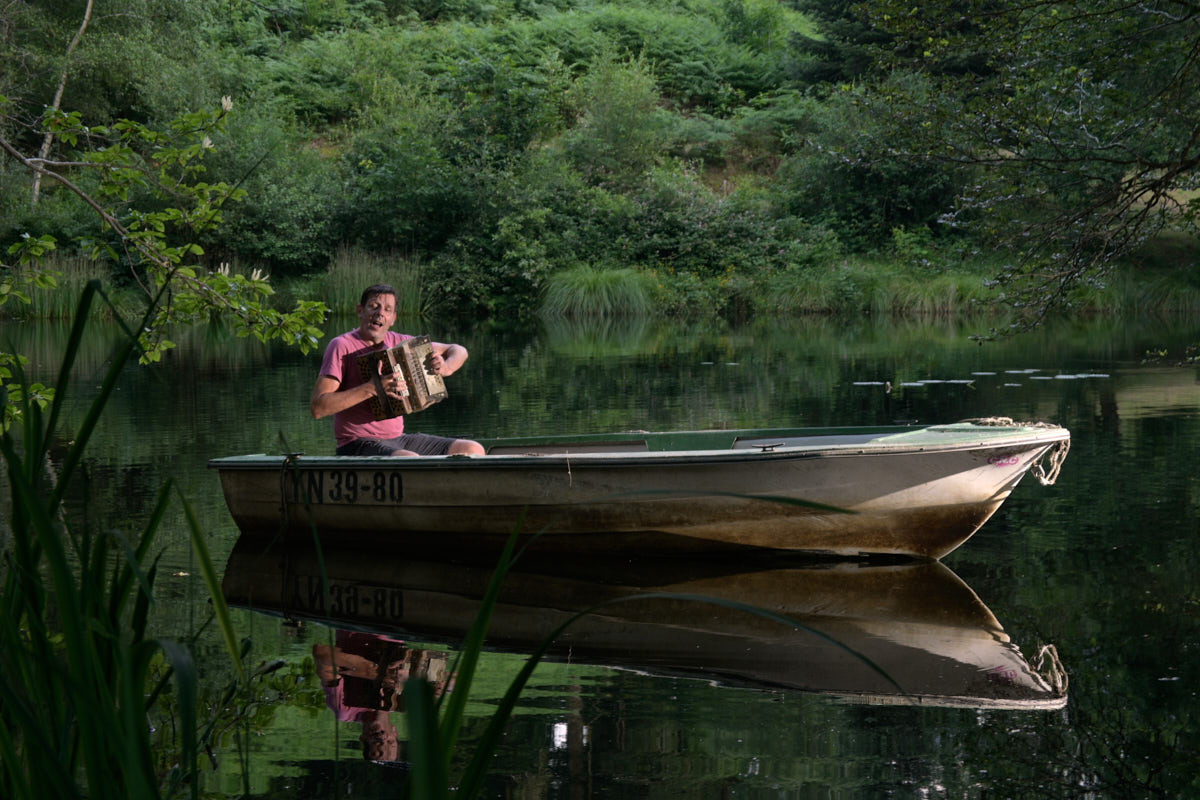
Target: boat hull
[[892, 493], [911, 633]]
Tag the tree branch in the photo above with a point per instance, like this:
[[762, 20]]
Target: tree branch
[[56, 104]]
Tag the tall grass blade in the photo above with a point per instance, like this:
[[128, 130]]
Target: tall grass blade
[[123, 352], [429, 779], [75, 662], [213, 583], [472, 649], [186, 681], [131, 571], [63, 383], [131, 742]]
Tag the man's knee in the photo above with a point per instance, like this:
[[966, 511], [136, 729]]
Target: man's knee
[[465, 447]]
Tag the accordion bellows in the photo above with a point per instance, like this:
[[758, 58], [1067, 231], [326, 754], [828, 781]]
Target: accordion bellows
[[411, 359]]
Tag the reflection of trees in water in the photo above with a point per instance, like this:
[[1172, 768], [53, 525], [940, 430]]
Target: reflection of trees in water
[[1104, 745], [363, 677], [596, 375], [706, 740]]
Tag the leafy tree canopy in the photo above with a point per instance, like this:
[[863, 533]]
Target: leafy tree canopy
[[1080, 121], [147, 188]]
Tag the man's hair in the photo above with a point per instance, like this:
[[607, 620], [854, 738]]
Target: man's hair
[[379, 288]]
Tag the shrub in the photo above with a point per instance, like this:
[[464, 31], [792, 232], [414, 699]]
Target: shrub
[[622, 132], [290, 227], [504, 103], [402, 190]]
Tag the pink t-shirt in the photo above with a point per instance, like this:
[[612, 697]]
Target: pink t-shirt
[[357, 422]]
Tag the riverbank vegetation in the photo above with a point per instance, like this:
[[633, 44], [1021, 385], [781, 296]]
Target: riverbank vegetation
[[686, 156], [96, 703]]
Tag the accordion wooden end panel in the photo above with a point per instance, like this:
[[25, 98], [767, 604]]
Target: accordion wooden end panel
[[411, 359]]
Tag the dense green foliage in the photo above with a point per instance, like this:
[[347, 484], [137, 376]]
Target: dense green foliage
[[1078, 122], [725, 148]]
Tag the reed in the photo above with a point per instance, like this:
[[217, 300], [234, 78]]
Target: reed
[[80, 673], [71, 274], [856, 286], [353, 269], [1148, 294], [595, 291]]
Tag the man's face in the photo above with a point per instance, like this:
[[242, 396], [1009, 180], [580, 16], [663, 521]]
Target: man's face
[[376, 317], [381, 741]]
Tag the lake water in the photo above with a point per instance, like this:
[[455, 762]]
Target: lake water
[[1102, 565]]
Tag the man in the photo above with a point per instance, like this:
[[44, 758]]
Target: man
[[363, 675], [341, 391]]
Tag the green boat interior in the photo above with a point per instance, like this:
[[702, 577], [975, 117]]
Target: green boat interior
[[762, 439], [645, 441]]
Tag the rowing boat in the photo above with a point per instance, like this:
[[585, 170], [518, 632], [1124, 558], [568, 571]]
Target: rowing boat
[[912, 491]]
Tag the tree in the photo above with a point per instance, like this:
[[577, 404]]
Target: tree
[[844, 49], [1081, 119], [148, 192], [56, 103]]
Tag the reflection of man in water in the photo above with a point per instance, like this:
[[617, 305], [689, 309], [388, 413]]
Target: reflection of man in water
[[363, 676]]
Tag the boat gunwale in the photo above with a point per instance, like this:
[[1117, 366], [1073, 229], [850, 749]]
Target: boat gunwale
[[1018, 437]]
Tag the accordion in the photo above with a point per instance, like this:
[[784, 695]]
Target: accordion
[[410, 358]]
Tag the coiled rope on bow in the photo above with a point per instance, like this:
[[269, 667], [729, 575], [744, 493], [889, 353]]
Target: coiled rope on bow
[[1056, 455]]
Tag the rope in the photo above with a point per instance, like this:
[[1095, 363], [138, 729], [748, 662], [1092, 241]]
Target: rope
[[289, 462], [1050, 667], [1056, 455], [1008, 422]]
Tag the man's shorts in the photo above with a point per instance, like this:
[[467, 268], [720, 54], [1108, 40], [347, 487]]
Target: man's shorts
[[423, 444]]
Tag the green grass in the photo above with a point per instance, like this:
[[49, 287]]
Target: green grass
[[71, 274], [590, 291], [879, 288], [353, 270], [1143, 294]]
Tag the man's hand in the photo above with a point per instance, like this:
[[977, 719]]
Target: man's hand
[[436, 364], [445, 359], [394, 386]]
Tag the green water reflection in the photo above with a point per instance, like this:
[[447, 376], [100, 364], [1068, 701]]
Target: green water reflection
[[1102, 565]]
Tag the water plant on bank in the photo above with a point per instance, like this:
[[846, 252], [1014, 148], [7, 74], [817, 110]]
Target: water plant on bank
[[353, 269], [81, 675], [591, 291], [60, 280]]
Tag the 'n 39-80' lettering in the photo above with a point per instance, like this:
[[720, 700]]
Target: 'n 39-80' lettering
[[346, 486]]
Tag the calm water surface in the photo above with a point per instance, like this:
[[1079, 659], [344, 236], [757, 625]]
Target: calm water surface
[[1101, 565]]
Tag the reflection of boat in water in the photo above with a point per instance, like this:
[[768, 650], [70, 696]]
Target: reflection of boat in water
[[918, 623], [913, 491]]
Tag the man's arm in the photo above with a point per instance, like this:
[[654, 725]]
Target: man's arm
[[328, 398], [447, 358], [331, 663]]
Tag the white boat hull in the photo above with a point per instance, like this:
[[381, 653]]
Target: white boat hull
[[916, 496]]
